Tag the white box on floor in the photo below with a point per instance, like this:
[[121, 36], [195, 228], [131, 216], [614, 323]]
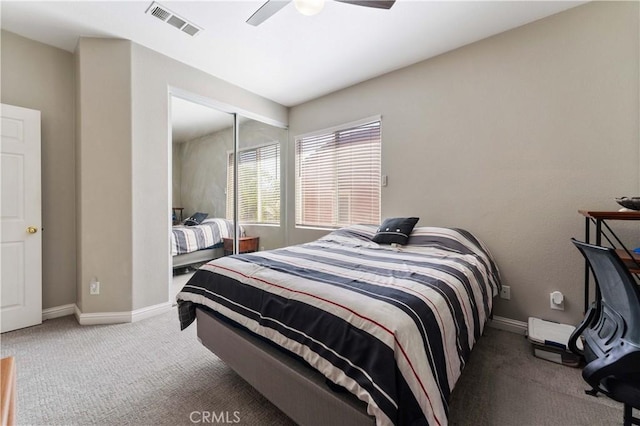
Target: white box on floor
[[549, 341]]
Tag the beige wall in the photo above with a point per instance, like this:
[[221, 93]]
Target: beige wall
[[121, 160], [125, 167], [152, 77], [42, 77], [104, 170], [508, 138], [203, 179]]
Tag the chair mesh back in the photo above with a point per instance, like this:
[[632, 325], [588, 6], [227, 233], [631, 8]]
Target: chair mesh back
[[620, 294]]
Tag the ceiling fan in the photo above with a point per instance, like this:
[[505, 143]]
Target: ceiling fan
[[308, 7]]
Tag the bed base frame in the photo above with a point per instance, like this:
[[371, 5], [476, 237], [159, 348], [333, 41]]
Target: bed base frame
[[300, 392], [199, 256]]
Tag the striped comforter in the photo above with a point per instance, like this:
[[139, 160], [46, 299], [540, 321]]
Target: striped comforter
[[187, 239], [394, 326]]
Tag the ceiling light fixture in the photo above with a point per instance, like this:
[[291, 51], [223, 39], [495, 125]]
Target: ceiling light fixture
[[309, 7]]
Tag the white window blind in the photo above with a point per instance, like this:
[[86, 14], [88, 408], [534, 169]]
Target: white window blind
[[258, 185], [338, 177]]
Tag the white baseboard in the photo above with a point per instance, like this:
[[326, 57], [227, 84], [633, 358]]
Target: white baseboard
[[95, 318], [58, 311], [150, 311], [500, 323], [508, 324]]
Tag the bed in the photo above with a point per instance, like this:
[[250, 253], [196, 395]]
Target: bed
[[374, 334], [199, 243]]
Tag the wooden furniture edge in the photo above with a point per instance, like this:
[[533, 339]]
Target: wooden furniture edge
[[247, 244], [630, 260], [614, 215], [633, 263], [8, 391]]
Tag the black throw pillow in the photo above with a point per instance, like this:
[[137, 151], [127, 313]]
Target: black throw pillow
[[196, 219], [395, 230]]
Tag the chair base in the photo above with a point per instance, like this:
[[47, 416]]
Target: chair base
[[628, 416], [592, 392], [628, 419]]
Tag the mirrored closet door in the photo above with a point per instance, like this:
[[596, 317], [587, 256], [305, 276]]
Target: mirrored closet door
[[202, 137], [226, 183], [260, 189]]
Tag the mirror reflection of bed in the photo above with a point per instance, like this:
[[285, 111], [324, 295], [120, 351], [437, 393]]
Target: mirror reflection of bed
[[201, 137], [202, 186]]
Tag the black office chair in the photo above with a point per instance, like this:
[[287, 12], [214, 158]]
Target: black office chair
[[611, 331]]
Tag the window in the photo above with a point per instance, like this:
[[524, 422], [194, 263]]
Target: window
[[258, 185], [338, 176]]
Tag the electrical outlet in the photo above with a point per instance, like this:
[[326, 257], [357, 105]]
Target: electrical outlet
[[94, 287], [505, 293], [556, 300]]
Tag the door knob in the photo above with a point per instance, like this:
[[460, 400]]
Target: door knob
[[32, 229]]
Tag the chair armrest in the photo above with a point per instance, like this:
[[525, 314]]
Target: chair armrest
[[586, 322]]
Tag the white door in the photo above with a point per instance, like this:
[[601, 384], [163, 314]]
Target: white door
[[21, 234]]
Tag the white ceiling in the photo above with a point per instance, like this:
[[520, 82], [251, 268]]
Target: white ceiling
[[290, 58], [190, 120]]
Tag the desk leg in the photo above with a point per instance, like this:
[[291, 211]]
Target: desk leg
[[587, 234], [598, 243]]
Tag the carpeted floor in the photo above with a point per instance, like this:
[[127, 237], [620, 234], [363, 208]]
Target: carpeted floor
[[150, 373], [504, 384]]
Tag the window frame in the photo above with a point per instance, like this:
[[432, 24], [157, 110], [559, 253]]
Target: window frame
[[326, 132], [229, 187]]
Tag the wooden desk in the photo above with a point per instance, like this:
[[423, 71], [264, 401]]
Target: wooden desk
[[8, 391], [603, 215], [245, 245], [600, 218]]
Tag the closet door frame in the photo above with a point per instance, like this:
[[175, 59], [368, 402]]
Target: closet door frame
[[236, 112]]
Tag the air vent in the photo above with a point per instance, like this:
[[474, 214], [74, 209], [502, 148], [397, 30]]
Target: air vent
[[160, 13], [190, 29], [172, 19], [176, 22]]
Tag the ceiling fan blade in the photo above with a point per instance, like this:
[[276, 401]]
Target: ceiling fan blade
[[380, 4], [266, 10]]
